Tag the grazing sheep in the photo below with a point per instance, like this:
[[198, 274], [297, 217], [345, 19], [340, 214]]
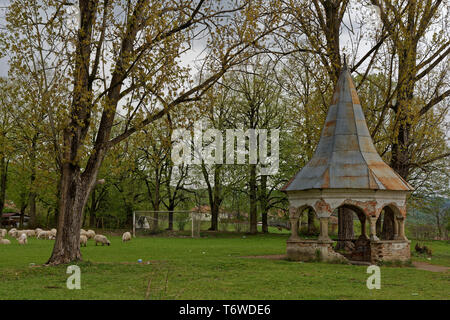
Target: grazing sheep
[[44, 235], [37, 231], [90, 234], [3, 233], [83, 233], [19, 233], [5, 241], [53, 231], [126, 236], [23, 239], [83, 240], [30, 233], [12, 233], [101, 239]]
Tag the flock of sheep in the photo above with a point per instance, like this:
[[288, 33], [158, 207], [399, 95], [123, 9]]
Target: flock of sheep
[[22, 235]]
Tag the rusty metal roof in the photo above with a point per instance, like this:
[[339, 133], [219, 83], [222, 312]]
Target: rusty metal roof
[[345, 156]]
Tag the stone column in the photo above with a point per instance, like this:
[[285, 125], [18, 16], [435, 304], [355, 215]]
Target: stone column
[[401, 228], [294, 229], [373, 228], [396, 228], [324, 229], [363, 227]]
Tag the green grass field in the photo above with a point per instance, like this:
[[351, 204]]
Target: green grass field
[[211, 267]]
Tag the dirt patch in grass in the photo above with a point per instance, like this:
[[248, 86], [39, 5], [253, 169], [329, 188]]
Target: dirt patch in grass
[[269, 257], [430, 267], [145, 262]]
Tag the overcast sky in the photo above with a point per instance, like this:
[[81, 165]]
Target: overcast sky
[[3, 61]]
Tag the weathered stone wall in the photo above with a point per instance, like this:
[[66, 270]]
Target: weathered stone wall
[[370, 251], [310, 250], [390, 250]]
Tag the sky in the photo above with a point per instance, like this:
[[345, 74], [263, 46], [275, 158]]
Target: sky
[[3, 61], [187, 59]]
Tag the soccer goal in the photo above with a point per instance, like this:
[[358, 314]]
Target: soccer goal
[[153, 221]]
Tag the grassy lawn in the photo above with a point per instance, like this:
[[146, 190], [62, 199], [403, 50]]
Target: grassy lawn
[[208, 268]]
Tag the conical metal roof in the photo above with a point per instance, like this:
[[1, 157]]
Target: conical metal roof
[[345, 156]]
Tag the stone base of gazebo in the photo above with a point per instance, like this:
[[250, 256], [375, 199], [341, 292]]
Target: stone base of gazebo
[[390, 250], [313, 250], [366, 250]]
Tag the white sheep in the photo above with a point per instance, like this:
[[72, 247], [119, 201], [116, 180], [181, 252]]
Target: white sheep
[[83, 233], [83, 240], [37, 231], [12, 233], [23, 239], [44, 235], [101, 239], [3, 233], [19, 233], [126, 236], [5, 241], [53, 231], [90, 234], [30, 233]]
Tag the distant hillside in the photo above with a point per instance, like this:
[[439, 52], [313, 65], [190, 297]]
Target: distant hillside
[[418, 216]]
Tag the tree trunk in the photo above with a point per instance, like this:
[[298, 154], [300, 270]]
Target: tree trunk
[[332, 35], [171, 208], [56, 207], [253, 209], [217, 199], [400, 160], [129, 215], [32, 195], [388, 225], [214, 195], [214, 217], [345, 229], [71, 203], [155, 222], [379, 225], [74, 190], [438, 223], [3, 180], [22, 215], [311, 217], [92, 217], [211, 201], [263, 202], [32, 204]]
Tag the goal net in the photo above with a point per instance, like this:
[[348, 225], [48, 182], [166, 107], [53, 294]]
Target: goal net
[[155, 221], [190, 221]]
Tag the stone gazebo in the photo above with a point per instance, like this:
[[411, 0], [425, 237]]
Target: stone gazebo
[[347, 172]]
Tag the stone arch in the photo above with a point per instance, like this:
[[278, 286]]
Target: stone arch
[[346, 235], [295, 216], [296, 212], [390, 223], [396, 210]]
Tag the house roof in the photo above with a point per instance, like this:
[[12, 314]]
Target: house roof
[[345, 156], [13, 214]]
